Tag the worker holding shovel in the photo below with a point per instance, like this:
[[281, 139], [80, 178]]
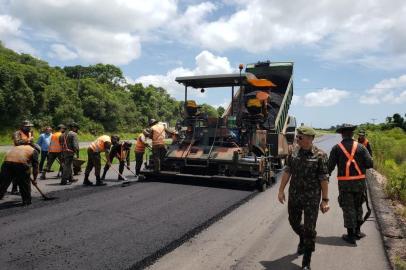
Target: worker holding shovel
[[121, 151]]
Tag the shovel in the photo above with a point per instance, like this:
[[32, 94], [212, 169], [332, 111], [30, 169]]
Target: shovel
[[46, 198]]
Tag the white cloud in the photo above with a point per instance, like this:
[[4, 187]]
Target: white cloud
[[12, 36], [392, 91], [206, 63], [60, 52], [325, 97], [305, 80], [295, 100]]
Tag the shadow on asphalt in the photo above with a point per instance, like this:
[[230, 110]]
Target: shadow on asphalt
[[10, 204], [206, 183], [332, 241], [284, 263]]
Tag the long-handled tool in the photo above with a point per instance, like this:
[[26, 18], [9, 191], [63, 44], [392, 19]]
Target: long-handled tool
[[114, 169], [46, 198]]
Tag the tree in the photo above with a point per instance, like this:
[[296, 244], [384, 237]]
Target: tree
[[220, 111]]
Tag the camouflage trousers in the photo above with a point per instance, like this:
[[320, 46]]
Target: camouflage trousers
[[307, 230], [93, 160], [351, 204], [19, 173]]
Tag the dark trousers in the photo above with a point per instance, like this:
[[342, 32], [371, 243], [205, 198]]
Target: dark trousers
[[139, 158], [158, 154], [52, 156], [112, 155], [93, 160], [19, 173], [307, 230], [44, 155], [67, 167], [351, 204]]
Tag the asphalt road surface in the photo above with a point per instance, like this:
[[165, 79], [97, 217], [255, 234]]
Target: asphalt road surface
[[117, 227]]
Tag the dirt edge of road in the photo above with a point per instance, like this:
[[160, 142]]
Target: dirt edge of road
[[392, 227], [148, 261]]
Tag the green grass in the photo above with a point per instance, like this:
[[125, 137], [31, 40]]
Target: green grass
[[400, 264], [389, 152]]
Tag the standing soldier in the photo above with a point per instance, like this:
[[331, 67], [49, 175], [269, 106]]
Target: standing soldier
[[54, 151], [120, 150], [140, 146], [352, 160], [70, 146], [101, 144], [17, 167], [43, 141], [158, 134], [364, 141], [306, 168]]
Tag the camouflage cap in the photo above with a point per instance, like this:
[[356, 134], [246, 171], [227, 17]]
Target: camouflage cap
[[361, 132], [27, 123], [346, 127], [305, 130], [61, 126], [152, 121]]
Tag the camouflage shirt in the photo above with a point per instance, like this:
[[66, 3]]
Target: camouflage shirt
[[307, 169]]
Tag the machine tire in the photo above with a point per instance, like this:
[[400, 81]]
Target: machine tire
[[142, 178], [261, 185]]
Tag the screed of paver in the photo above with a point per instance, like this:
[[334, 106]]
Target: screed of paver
[[257, 235]]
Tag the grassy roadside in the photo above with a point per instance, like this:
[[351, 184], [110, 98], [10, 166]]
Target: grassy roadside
[[389, 152]]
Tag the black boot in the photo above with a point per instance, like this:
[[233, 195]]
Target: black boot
[[306, 260], [99, 182], [350, 236], [104, 174], [43, 176], [86, 181], [300, 247], [358, 233]]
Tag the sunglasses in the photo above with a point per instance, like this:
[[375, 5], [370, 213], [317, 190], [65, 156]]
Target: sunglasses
[[299, 137]]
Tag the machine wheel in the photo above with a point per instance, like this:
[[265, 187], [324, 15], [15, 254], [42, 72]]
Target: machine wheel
[[141, 178]]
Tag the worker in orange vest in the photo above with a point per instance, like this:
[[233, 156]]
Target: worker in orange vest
[[158, 135], [362, 139], [352, 160], [101, 144], [17, 166], [54, 151], [121, 151], [21, 137], [140, 146]]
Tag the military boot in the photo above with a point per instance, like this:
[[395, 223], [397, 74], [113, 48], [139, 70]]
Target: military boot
[[306, 260], [99, 182], [358, 233], [86, 181], [43, 176], [300, 247], [350, 236]]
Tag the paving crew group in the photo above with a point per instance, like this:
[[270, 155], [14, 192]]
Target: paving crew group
[[307, 169], [27, 157]]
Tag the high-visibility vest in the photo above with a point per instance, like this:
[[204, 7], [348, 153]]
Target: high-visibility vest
[[98, 144], [21, 154], [365, 142], [140, 145], [55, 146], [351, 160], [26, 138], [158, 134]]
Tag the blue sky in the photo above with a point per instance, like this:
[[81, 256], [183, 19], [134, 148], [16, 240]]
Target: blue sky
[[350, 57]]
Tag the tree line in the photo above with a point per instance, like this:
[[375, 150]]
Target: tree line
[[96, 96]]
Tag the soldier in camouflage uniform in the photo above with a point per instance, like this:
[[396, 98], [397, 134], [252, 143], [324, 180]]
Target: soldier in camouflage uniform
[[352, 160], [306, 168]]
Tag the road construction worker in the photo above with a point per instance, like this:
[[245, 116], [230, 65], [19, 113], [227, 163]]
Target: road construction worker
[[43, 141], [158, 134], [70, 147], [54, 151], [140, 146], [17, 167], [101, 144], [21, 137], [24, 135], [352, 160], [121, 151], [306, 169], [362, 139]]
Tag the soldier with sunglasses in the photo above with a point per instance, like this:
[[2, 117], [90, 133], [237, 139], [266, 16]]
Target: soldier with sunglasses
[[306, 169]]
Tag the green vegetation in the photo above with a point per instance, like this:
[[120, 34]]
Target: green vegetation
[[388, 142], [97, 97]]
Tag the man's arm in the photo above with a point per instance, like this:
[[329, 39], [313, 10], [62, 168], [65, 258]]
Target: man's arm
[[332, 160], [285, 180], [369, 149], [324, 207], [35, 167], [366, 157]]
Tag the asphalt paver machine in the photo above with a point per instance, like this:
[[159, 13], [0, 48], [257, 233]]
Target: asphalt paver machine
[[248, 142]]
